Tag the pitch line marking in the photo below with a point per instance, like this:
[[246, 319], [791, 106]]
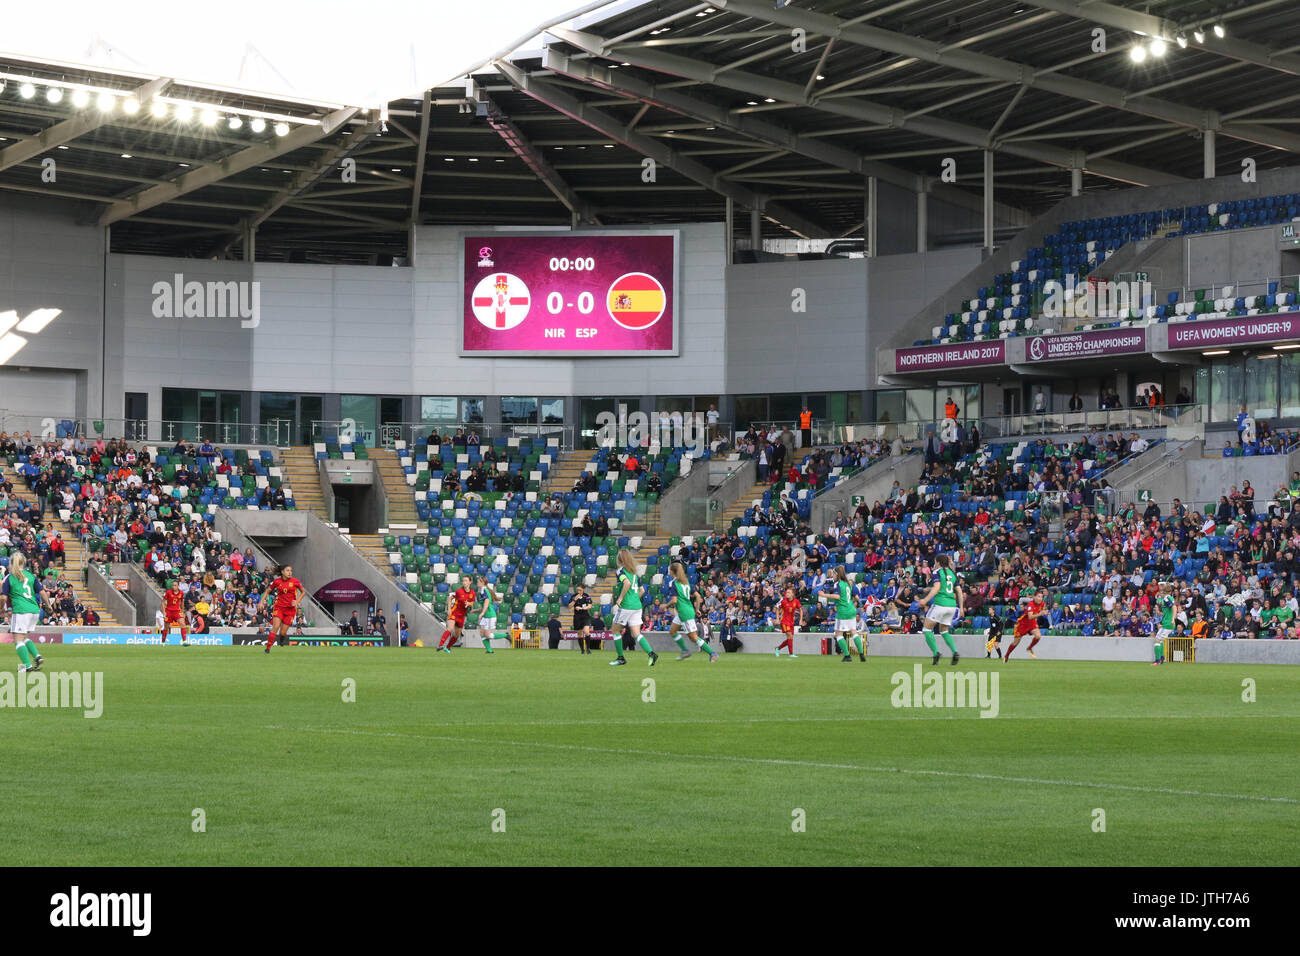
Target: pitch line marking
[[836, 720], [770, 761]]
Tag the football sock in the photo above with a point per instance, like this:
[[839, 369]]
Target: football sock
[[947, 639], [1033, 642], [681, 642], [1009, 650], [644, 643], [445, 634], [929, 640], [185, 634], [857, 642], [31, 649], [23, 655], [487, 642], [843, 645], [704, 646]]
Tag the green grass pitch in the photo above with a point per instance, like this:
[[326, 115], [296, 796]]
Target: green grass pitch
[[587, 772]]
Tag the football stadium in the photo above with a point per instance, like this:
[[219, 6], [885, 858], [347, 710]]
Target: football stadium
[[722, 343]]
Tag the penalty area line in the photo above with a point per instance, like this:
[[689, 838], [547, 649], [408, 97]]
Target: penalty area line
[[811, 764]]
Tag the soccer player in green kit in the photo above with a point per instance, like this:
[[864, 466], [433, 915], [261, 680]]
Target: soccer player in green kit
[[487, 621], [23, 591], [628, 599], [846, 618], [946, 600], [684, 620], [1168, 609]]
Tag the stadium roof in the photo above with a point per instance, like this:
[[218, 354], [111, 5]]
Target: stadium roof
[[784, 106]]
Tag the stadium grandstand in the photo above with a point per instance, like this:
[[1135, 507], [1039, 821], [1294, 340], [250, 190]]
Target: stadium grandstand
[[1023, 281], [805, 355]]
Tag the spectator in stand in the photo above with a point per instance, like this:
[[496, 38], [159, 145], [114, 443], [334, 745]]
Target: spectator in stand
[[1076, 402]]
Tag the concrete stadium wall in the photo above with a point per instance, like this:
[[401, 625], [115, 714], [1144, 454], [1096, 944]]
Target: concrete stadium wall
[[1221, 257], [145, 353], [676, 516], [319, 556], [872, 484], [1135, 649], [115, 602], [743, 476], [49, 259], [772, 349], [895, 284], [1208, 478], [1248, 652], [235, 532]]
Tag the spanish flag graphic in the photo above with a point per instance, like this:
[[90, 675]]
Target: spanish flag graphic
[[636, 301]]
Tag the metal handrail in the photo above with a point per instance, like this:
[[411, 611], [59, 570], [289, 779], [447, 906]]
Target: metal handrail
[[1256, 285], [1161, 416], [387, 435], [276, 432]]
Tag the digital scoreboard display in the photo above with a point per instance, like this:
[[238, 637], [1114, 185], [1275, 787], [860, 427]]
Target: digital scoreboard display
[[569, 294]]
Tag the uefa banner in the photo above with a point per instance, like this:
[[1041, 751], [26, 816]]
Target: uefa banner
[[1243, 331], [569, 294], [1066, 346], [958, 355]]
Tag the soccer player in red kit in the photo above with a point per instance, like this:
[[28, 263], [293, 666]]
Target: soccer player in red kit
[[174, 613], [791, 615], [461, 601], [289, 593], [1028, 623]]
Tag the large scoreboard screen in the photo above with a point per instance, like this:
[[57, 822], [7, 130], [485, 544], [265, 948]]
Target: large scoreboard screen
[[557, 294]]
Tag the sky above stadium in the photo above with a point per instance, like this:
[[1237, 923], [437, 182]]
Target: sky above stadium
[[343, 51]]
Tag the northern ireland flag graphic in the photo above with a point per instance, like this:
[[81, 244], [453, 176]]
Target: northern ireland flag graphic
[[500, 300], [636, 301]]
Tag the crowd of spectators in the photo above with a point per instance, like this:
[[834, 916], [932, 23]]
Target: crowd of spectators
[[115, 498], [1234, 567], [23, 530]]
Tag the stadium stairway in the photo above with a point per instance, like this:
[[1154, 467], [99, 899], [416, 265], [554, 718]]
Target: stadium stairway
[[746, 500], [76, 556], [566, 470], [401, 497], [371, 547], [299, 465]]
